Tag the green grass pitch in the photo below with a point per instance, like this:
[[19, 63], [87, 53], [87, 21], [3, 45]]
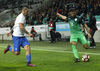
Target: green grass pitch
[[50, 57]]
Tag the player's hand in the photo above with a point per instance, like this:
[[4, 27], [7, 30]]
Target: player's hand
[[8, 34], [30, 35], [58, 14], [89, 35]]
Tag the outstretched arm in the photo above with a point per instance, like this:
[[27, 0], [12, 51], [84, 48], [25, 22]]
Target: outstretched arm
[[87, 30], [63, 17]]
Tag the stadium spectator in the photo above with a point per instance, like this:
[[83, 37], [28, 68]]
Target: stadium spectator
[[75, 31], [77, 12], [39, 22], [97, 9], [30, 22], [14, 15], [35, 34], [18, 36], [92, 11]]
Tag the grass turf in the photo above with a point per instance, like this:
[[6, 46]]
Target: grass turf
[[50, 57]]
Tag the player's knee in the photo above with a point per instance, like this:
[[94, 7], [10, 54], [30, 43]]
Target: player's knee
[[27, 48], [86, 46], [73, 43], [17, 53]]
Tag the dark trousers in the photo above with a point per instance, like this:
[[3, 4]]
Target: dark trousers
[[92, 39], [38, 35], [52, 34]]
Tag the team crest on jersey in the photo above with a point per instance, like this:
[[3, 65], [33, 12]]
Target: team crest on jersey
[[75, 19]]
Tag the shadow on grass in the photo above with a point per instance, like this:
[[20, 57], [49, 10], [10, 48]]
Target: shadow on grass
[[3, 68], [13, 67]]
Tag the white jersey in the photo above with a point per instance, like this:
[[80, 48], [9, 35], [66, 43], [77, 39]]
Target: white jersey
[[17, 31]]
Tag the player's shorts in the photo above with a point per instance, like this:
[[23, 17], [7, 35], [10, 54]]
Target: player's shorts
[[19, 41], [81, 38]]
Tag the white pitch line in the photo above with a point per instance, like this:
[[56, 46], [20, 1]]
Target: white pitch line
[[66, 51], [60, 51]]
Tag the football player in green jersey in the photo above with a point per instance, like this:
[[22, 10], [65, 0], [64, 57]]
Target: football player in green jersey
[[76, 32]]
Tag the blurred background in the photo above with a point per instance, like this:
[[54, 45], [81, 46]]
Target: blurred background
[[40, 12]]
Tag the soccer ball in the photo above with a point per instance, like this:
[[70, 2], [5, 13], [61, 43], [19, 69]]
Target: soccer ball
[[85, 58]]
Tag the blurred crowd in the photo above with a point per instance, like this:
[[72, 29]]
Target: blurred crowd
[[42, 15], [4, 4]]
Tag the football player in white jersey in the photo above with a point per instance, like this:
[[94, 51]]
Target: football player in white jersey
[[18, 36]]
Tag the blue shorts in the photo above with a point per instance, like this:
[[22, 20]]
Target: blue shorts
[[19, 41]]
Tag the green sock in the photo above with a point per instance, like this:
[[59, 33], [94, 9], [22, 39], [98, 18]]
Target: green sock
[[75, 52]]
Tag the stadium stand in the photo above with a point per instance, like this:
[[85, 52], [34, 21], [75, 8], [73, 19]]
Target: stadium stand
[[42, 10]]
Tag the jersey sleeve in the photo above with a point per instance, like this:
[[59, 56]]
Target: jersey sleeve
[[21, 20], [83, 22]]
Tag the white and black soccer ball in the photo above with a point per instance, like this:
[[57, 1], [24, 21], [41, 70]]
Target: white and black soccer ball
[[85, 58]]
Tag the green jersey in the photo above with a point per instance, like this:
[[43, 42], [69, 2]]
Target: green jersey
[[74, 23]]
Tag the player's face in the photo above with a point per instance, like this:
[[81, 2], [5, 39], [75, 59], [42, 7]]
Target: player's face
[[26, 11], [72, 13]]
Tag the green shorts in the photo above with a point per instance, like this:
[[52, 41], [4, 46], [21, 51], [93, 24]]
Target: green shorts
[[81, 38]]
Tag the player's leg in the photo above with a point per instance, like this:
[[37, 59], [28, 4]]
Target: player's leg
[[9, 48], [73, 41], [83, 40], [92, 39], [40, 37], [51, 34], [26, 46], [16, 49]]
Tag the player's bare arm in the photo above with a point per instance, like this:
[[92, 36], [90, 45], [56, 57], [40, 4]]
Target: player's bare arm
[[22, 28], [87, 30], [8, 34], [62, 16]]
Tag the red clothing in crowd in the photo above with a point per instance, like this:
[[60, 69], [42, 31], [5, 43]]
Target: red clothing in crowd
[[33, 31]]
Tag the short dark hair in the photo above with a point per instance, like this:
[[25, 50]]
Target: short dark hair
[[71, 9], [32, 27], [25, 7]]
